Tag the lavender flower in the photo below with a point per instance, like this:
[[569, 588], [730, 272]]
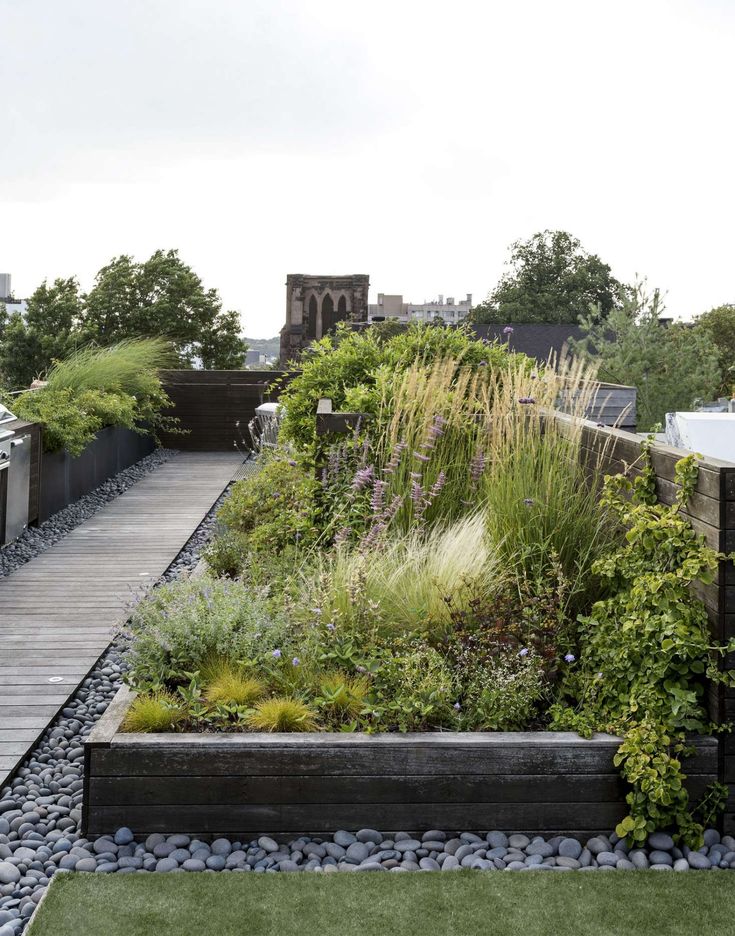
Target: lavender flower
[[523, 652], [569, 657], [533, 375], [341, 535], [526, 399], [276, 654], [292, 463], [316, 610], [457, 707], [528, 501], [361, 669], [376, 499], [437, 486], [295, 661], [508, 330], [363, 477], [330, 626], [421, 457], [477, 466]]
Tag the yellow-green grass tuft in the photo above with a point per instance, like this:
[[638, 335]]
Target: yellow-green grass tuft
[[157, 711], [282, 714]]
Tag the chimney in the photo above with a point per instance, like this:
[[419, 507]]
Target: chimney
[[469, 298]]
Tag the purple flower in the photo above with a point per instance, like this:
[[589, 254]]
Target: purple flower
[[533, 375], [316, 610], [526, 399], [569, 657], [482, 364], [330, 627], [437, 486], [477, 466], [421, 457], [363, 477], [341, 535], [292, 463], [376, 499], [523, 652], [457, 706], [361, 669], [276, 654], [508, 330], [295, 661], [528, 501]]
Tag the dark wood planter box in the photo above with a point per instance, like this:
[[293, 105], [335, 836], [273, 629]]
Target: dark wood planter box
[[65, 478], [246, 784]]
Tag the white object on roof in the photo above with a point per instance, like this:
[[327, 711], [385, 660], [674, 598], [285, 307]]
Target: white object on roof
[[711, 434]]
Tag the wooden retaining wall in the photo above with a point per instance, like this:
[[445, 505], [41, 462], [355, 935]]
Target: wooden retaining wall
[[210, 403], [245, 784]]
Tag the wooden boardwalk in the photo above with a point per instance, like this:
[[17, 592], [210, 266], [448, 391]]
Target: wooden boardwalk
[[58, 611]]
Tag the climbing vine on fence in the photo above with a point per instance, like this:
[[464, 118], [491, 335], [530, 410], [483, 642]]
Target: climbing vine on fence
[[647, 653]]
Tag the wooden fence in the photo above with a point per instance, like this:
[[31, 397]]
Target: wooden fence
[[214, 407]]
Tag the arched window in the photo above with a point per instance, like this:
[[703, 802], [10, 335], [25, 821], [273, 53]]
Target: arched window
[[311, 328], [341, 309], [327, 313]]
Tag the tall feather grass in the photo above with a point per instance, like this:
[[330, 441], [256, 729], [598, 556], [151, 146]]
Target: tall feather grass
[[130, 366], [413, 582], [541, 489]]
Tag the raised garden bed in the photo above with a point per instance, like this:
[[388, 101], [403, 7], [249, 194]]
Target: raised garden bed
[[64, 478], [242, 784]]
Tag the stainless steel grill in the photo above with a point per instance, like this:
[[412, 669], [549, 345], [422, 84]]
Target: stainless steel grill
[[15, 462]]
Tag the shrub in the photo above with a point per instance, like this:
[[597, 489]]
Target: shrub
[[181, 626], [337, 365], [227, 553], [503, 694], [342, 698], [414, 689], [273, 507], [129, 366], [282, 714], [159, 711]]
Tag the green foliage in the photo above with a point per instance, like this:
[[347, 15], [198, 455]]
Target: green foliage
[[414, 689], [349, 362], [342, 699], [181, 626], [552, 279], [97, 387], [645, 650], [47, 331], [502, 693], [231, 687], [671, 365], [227, 553], [272, 507], [282, 714], [163, 297], [719, 325], [156, 711]]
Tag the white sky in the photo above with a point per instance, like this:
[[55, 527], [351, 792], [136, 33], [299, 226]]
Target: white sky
[[409, 140]]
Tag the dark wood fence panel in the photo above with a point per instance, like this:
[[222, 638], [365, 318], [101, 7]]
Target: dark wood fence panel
[[215, 407]]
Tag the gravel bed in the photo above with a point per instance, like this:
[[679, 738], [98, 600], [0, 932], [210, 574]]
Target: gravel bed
[[40, 814], [37, 539]]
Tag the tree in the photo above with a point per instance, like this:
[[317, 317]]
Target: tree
[[551, 279], [47, 331], [719, 324], [163, 297], [670, 365]]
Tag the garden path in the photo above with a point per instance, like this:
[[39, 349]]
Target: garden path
[[58, 612]]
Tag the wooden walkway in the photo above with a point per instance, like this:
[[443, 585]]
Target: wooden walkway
[[58, 611]]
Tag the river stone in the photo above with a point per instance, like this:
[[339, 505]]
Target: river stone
[[607, 858], [369, 835], [697, 861], [639, 859], [357, 852], [681, 864], [345, 839], [85, 864], [660, 857], [9, 874], [519, 841], [659, 841], [564, 861], [450, 863], [434, 835], [217, 862], [123, 836], [569, 848], [540, 848], [406, 845], [599, 844], [429, 864]]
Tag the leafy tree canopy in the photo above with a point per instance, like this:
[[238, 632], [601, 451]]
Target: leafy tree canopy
[[719, 324], [551, 279], [161, 297], [670, 365]]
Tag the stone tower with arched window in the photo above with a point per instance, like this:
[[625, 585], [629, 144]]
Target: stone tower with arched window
[[315, 304]]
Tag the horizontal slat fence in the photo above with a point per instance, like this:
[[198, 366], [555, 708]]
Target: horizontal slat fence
[[214, 407]]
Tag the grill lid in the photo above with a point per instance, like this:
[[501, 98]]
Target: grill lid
[[5, 414]]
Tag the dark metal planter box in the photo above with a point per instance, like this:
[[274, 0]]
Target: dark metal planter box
[[64, 478], [244, 784]]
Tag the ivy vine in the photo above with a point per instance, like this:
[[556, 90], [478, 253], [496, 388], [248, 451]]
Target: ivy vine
[[647, 653]]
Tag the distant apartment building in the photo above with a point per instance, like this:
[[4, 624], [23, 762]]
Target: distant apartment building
[[6, 296], [392, 306]]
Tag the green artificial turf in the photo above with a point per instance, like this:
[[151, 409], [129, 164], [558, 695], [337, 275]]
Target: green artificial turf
[[431, 904]]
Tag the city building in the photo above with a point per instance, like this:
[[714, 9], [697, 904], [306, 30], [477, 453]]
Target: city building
[[315, 304], [392, 306], [6, 296]]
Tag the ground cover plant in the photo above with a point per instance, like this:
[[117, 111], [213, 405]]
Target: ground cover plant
[[509, 904], [98, 387], [455, 563]]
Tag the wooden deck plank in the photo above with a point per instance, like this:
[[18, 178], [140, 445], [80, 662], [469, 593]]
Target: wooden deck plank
[[59, 611]]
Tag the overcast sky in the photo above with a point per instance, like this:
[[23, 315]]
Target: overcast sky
[[409, 140]]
